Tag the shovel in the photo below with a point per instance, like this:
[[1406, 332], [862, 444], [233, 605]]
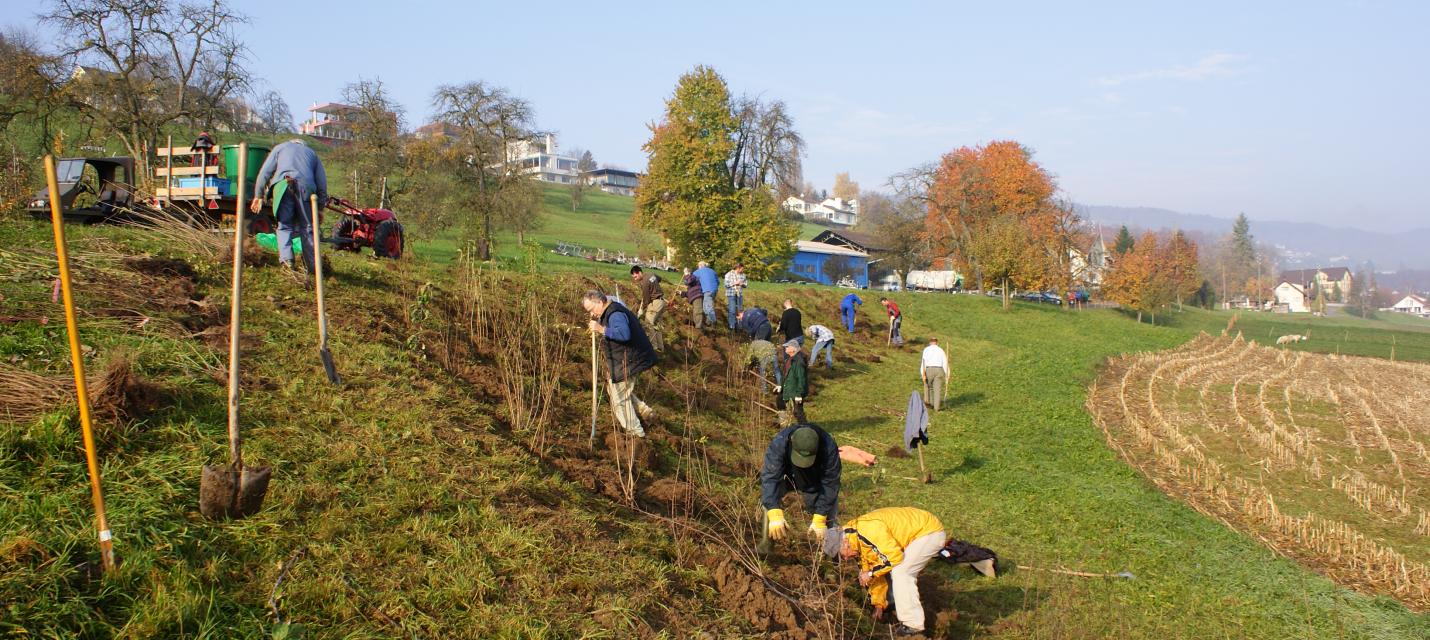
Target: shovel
[[234, 491], [327, 356], [106, 538], [924, 475], [593, 391]]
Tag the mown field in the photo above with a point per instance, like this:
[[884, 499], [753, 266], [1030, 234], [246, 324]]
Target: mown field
[[1322, 457], [414, 502]]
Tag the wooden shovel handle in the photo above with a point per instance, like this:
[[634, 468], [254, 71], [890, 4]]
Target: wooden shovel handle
[[235, 442]]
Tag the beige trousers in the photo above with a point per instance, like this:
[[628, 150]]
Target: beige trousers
[[904, 578], [627, 406], [936, 379], [652, 323]]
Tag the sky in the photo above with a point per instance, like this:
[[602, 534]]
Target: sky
[[1310, 111]]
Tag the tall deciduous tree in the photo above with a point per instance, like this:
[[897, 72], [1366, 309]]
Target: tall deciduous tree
[[274, 115], [375, 151], [689, 195], [1180, 263], [149, 63], [768, 150], [844, 187], [980, 197], [486, 122]]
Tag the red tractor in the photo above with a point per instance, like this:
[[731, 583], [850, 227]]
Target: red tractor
[[358, 228]]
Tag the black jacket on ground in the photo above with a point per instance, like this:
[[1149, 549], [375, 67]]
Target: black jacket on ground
[[791, 324], [630, 357], [756, 324], [821, 479]]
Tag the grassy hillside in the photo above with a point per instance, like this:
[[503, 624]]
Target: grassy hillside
[[602, 222], [413, 502]]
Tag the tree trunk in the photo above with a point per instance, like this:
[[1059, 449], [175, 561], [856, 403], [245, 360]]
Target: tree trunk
[[1006, 299], [1139, 317]]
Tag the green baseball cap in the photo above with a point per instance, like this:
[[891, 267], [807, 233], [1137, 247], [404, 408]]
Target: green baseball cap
[[803, 447]]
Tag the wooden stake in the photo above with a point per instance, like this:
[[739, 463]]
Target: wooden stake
[[593, 390], [106, 544], [323, 352], [235, 445]]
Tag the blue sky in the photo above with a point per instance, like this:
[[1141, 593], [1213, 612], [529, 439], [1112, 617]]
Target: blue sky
[[1307, 111]]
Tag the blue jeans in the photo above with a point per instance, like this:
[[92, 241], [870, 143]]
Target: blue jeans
[[709, 307], [828, 347], [734, 303], [848, 314], [296, 217]]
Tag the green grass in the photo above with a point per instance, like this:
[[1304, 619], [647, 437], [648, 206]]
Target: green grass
[[602, 222], [1021, 468], [422, 516]]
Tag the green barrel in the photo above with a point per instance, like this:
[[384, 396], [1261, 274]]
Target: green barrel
[[256, 155]]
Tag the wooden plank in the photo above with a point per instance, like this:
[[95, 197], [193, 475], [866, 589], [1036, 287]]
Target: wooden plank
[[164, 152], [180, 192], [210, 170]]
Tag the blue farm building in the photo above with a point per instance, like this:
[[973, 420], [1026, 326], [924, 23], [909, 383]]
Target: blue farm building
[[820, 262]]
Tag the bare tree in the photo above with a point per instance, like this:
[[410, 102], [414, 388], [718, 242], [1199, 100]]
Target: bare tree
[[29, 81], [274, 114], [144, 64], [768, 151], [376, 125], [585, 163], [488, 121]]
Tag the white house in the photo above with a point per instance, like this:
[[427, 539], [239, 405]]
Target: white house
[[1291, 297], [539, 158], [1090, 268], [837, 211], [1413, 304]]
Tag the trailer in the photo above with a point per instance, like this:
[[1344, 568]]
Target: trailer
[[203, 184], [949, 281]]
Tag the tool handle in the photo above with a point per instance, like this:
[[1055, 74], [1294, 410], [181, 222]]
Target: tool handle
[[318, 274], [235, 441], [106, 546], [594, 410]]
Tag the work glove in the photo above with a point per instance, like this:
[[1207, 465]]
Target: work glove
[[799, 400], [817, 524], [778, 388], [777, 526]]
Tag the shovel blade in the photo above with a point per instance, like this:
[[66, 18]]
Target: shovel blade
[[328, 366], [229, 493]]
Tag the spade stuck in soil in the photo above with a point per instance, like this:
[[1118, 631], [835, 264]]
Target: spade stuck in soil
[[234, 491]]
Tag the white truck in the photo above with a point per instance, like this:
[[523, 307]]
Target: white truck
[[949, 281]]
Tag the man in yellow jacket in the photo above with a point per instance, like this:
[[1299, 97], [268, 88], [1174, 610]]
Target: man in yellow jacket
[[893, 545]]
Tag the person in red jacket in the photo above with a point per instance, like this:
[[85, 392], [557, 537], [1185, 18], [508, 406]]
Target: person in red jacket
[[896, 321]]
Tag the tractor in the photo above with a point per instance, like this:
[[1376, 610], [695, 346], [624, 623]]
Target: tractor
[[358, 228]]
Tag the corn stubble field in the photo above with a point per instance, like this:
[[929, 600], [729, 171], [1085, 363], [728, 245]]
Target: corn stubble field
[[1322, 457]]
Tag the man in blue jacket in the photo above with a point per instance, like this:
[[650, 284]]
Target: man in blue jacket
[[847, 308], [628, 353], [290, 174], [806, 458], [709, 284], [755, 322]]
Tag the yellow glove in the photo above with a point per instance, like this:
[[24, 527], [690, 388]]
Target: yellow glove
[[776, 527], [817, 524]]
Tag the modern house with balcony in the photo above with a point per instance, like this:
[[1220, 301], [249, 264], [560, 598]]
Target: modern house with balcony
[[539, 157], [617, 181], [329, 121]]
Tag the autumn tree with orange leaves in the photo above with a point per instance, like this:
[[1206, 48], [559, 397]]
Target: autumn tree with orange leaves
[[991, 211], [1153, 274]]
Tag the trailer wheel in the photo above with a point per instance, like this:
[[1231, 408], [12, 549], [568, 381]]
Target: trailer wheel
[[387, 241]]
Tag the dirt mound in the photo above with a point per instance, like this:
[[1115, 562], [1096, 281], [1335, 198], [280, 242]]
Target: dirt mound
[[748, 596], [116, 395], [161, 267]]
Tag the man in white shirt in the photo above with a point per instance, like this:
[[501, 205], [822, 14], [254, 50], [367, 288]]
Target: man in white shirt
[[934, 370], [823, 340]]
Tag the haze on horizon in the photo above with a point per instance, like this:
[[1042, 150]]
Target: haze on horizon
[[1309, 112]]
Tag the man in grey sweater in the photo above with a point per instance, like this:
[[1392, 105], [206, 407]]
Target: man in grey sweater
[[291, 173]]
